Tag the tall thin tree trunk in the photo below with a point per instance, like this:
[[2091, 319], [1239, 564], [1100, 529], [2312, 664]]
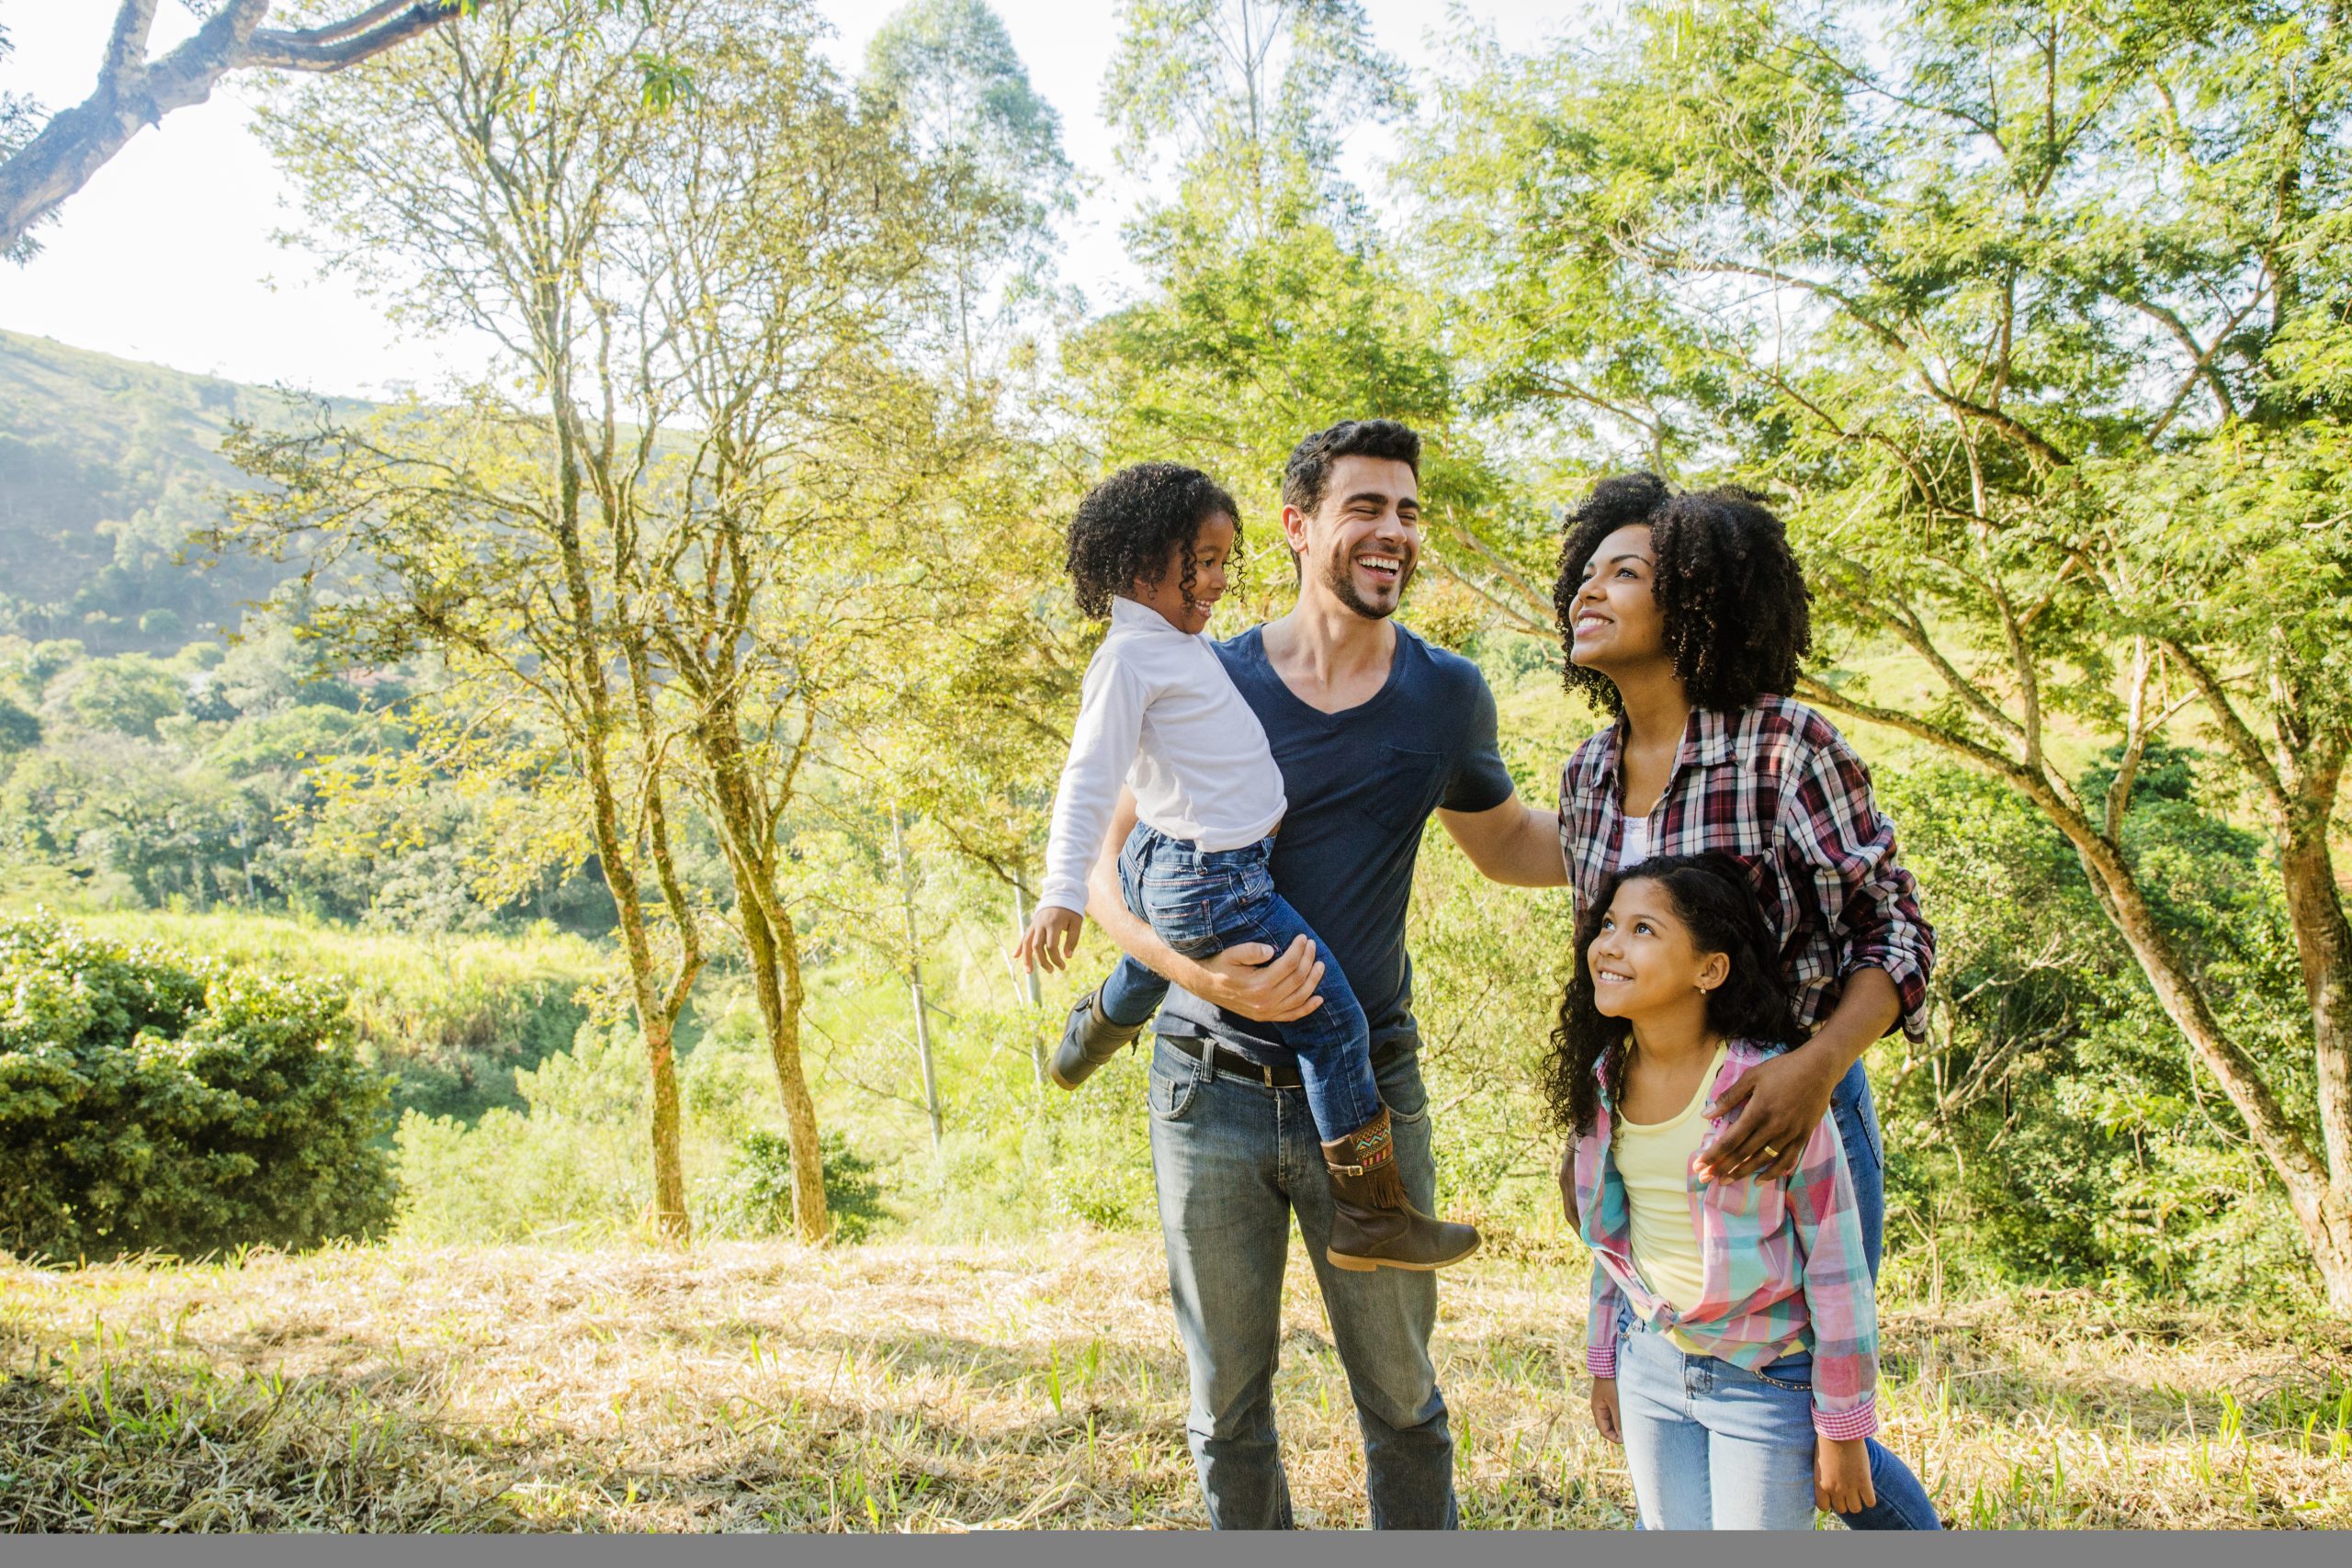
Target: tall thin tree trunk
[[2324, 949], [914, 980], [1029, 985], [775, 979]]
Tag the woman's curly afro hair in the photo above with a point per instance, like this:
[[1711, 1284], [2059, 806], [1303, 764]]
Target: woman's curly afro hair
[[1715, 899], [1133, 524], [1737, 613]]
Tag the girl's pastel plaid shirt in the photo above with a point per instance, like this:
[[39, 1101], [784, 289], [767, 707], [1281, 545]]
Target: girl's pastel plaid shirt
[[1782, 1261], [1775, 784]]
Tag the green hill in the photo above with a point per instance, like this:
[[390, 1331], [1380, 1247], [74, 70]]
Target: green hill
[[105, 467]]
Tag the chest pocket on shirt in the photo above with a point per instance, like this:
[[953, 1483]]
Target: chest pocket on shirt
[[1404, 786]]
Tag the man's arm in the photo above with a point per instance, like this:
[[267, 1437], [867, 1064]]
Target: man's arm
[[1512, 843], [1249, 979]]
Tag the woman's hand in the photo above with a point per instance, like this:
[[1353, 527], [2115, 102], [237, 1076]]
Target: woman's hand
[[1780, 1101], [1841, 1475], [1604, 1410], [1051, 939]]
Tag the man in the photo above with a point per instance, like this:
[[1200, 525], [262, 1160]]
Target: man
[[1372, 730]]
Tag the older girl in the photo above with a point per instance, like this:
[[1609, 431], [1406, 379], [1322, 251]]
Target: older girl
[[1731, 1335]]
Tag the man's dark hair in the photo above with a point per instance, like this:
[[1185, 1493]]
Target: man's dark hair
[[1132, 523], [1714, 895], [1737, 614], [1308, 473]]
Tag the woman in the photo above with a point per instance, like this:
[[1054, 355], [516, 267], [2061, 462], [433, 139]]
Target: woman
[[1684, 616]]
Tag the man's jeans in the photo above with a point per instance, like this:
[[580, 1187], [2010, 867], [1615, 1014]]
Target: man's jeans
[[1234, 1159], [1902, 1503], [1201, 902]]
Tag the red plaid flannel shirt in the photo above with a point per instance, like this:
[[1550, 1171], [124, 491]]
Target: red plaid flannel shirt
[[1775, 784]]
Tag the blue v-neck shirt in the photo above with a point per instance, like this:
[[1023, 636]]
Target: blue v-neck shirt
[[1361, 783]]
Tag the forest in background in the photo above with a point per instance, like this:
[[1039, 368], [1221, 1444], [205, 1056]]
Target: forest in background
[[654, 740]]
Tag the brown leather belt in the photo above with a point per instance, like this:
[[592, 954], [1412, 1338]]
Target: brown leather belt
[[1234, 1062]]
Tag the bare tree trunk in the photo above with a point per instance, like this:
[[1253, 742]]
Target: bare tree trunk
[[2323, 948], [771, 946], [654, 1023], [914, 979], [776, 978]]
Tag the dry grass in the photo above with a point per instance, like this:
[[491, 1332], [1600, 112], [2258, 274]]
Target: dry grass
[[897, 1387]]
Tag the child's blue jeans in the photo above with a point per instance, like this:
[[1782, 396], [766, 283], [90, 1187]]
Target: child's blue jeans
[[1712, 1445], [1201, 902]]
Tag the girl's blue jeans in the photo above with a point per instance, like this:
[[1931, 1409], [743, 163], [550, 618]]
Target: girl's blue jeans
[[1201, 902], [1712, 1445]]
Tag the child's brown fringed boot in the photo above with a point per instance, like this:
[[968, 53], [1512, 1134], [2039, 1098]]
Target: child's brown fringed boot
[[1375, 1226]]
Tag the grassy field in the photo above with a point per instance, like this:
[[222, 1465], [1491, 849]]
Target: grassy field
[[896, 1387]]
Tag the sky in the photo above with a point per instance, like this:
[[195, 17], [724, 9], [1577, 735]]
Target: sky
[[170, 253]]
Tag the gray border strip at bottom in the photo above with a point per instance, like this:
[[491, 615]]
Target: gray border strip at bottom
[[985, 1549]]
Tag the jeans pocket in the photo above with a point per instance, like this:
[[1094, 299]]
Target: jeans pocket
[[1402, 1091], [1183, 907], [1175, 1082], [1792, 1372]]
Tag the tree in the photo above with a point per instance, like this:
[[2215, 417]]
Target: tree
[[481, 526], [950, 74], [2031, 321], [700, 540], [1276, 306], [39, 170]]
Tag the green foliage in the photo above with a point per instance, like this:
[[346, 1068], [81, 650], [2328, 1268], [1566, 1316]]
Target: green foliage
[[450, 1017], [151, 1104], [753, 1196], [2053, 1128], [126, 694]]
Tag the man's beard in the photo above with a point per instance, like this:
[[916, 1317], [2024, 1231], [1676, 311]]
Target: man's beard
[[1339, 576]]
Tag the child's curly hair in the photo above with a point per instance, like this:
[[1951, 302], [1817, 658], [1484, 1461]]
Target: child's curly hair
[[1738, 614], [1133, 523], [1715, 899]]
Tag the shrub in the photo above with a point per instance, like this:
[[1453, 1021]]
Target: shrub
[[148, 1103], [754, 1196]]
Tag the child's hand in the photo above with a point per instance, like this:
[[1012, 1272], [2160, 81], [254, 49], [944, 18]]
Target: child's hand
[[1604, 1410], [1051, 939], [1841, 1475]]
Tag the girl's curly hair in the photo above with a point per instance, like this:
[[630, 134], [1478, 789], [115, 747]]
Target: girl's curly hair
[[1133, 523], [1713, 898], [1737, 610]]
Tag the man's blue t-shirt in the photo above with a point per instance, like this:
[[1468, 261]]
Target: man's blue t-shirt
[[1360, 784]]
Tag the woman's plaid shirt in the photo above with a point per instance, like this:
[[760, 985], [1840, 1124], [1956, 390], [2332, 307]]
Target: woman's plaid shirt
[[1781, 1260], [1775, 784]]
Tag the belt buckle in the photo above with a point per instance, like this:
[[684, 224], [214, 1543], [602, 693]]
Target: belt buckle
[[1266, 1070]]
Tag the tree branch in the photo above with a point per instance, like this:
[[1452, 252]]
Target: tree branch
[[339, 45]]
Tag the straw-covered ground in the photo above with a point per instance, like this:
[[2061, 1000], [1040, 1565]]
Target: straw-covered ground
[[762, 1386]]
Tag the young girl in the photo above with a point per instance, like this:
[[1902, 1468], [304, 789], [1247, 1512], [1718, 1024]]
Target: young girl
[[1149, 547], [1733, 1331]]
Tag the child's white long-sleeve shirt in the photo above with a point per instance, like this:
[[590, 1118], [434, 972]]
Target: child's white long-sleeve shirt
[[1158, 711]]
